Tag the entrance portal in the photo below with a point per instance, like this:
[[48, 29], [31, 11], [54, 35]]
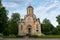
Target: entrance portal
[[29, 30]]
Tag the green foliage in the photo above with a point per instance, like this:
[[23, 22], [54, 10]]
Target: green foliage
[[58, 26], [58, 30], [19, 36], [58, 19], [3, 18], [47, 27], [0, 4], [13, 24], [46, 21], [15, 17]]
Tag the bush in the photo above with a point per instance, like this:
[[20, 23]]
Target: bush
[[19, 36]]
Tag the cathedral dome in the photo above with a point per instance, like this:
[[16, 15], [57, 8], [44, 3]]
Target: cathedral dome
[[30, 7]]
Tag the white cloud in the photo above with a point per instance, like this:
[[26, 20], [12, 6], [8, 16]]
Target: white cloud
[[51, 16], [21, 12], [16, 3], [42, 12], [55, 3], [50, 7], [10, 4]]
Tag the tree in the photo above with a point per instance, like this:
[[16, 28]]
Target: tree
[[3, 18], [47, 27], [58, 19], [13, 23], [58, 26], [57, 30], [0, 4]]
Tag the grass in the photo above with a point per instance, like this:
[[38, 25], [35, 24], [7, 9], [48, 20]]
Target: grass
[[1, 37], [48, 36], [33, 36], [9, 36]]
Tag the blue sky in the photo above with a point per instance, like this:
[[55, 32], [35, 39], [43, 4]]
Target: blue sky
[[42, 8]]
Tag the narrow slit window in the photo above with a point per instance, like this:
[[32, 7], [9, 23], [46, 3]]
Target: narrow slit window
[[36, 26], [21, 27]]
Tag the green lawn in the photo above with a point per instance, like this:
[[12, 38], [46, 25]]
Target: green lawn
[[34, 36], [47, 36], [0, 37], [7, 36]]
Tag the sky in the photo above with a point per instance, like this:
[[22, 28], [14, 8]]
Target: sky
[[42, 8]]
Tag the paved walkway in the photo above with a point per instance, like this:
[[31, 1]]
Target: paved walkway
[[30, 39]]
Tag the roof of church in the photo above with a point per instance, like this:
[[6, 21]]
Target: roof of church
[[30, 6]]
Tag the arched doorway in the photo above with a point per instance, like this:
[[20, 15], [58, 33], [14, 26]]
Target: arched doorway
[[29, 30]]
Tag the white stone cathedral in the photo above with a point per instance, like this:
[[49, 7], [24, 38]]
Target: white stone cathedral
[[29, 25]]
